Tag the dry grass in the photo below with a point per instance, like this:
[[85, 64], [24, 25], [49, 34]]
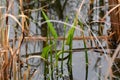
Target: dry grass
[[10, 49]]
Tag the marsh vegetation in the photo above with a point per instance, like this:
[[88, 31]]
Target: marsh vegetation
[[59, 40]]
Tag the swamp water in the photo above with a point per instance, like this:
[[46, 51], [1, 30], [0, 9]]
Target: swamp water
[[97, 65]]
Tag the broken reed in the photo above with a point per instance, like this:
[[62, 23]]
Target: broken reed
[[4, 55], [41, 38], [4, 40], [10, 66]]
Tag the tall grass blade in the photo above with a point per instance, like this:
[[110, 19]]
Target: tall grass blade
[[70, 36], [63, 45], [46, 51], [86, 53], [50, 25], [45, 54], [69, 42]]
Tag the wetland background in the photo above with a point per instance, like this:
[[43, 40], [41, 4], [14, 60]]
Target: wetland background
[[59, 39]]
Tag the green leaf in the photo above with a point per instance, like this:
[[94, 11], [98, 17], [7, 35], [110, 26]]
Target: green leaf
[[70, 36], [46, 51], [57, 56], [71, 33], [80, 23], [50, 25]]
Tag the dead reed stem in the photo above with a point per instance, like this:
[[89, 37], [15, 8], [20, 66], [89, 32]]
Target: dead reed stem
[[31, 38]]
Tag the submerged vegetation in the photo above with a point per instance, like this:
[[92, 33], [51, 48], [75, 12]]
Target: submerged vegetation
[[38, 39]]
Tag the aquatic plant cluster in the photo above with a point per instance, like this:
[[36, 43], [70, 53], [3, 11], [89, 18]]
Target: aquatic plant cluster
[[42, 39]]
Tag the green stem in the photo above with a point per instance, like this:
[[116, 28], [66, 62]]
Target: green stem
[[63, 46], [86, 53]]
